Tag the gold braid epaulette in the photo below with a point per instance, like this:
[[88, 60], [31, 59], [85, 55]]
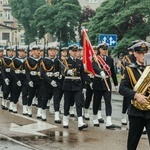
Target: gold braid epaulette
[[65, 63], [13, 66], [44, 67], [5, 64], [127, 59], [131, 76], [31, 68]]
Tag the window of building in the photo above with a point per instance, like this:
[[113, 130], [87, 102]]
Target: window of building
[[7, 2], [8, 15], [5, 36], [1, 13], [22, 39], [92, 1], [1, 2]]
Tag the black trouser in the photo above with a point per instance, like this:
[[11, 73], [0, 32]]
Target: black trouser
[[18, 90], [89, 93], [126, 103], [75, 96], [136, 126], [50, 91], [37, 87], [7, 89], [97, 101]]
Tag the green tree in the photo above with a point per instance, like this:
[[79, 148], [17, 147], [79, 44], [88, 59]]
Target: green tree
[[23, 11], [59, 18], [127, 18]]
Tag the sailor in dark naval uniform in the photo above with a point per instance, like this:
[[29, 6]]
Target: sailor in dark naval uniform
[[138, 118], [1, 79], [73, 86], [34, 80], [7, 77], [19, 80], [51, 74], [100, 88]]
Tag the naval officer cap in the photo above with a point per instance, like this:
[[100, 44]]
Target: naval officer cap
[[95, 47], [1, 49], [64, 49], [21, 48], [10, 48], [52, 48], [103, 46], [141, 46], [73, 47], [35, 47]]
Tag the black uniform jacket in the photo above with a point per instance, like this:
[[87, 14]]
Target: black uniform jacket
[[126, 89], [52, 66], [18, 69], [6, 67], [98, 83], [33, 65], [74, 84]]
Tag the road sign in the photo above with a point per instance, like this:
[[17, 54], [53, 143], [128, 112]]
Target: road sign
[[110, 39]]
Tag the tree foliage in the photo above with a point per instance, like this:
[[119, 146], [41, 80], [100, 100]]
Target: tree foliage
[[59, 18], [127, 18], [23, 11]]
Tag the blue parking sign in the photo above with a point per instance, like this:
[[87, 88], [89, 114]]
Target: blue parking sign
[[110, 39]]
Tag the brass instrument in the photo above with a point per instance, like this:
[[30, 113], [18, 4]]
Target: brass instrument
[[143, 87]]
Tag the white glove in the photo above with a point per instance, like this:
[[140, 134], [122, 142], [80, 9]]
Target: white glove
[[19, 83], [53, 83], [116, 88], [7, 81], [56, 74], [103, 75], [31, 84], [70, 72], [60, 77], [91, 86], [84, 90]]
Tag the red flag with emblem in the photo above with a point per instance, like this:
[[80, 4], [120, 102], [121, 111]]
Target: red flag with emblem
[[88, 54]]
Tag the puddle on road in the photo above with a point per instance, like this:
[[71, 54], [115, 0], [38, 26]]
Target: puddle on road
[[57, 136]]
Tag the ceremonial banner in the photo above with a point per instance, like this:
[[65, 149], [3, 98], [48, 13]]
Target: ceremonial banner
[[88, 54]]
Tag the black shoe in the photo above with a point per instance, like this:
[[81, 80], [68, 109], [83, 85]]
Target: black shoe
[[72, 115], [58, 121], [10, 110], [111, 127], [38, 117], [30, 115], [96, 125], [25, 114], [83, 127], [43, 119], [3, 107], [101, 120], [15, 112], [66, 127], [86, 118]]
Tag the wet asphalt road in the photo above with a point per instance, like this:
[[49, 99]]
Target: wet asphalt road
[[18, 132]]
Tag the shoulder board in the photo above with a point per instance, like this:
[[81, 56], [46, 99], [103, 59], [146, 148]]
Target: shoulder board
[[132, 66]]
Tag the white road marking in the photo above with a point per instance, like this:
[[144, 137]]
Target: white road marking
[[33, 128]]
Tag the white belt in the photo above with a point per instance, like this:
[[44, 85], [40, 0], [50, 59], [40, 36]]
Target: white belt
[[90, 75], [73, 78], [20, 71], [7, 69], [52, 74], [100, 76], [34, 73]]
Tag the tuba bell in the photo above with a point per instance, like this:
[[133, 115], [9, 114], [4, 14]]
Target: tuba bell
[[143, 85]]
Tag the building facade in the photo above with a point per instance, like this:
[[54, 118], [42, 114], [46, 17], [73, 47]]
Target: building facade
[[93, 4]]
